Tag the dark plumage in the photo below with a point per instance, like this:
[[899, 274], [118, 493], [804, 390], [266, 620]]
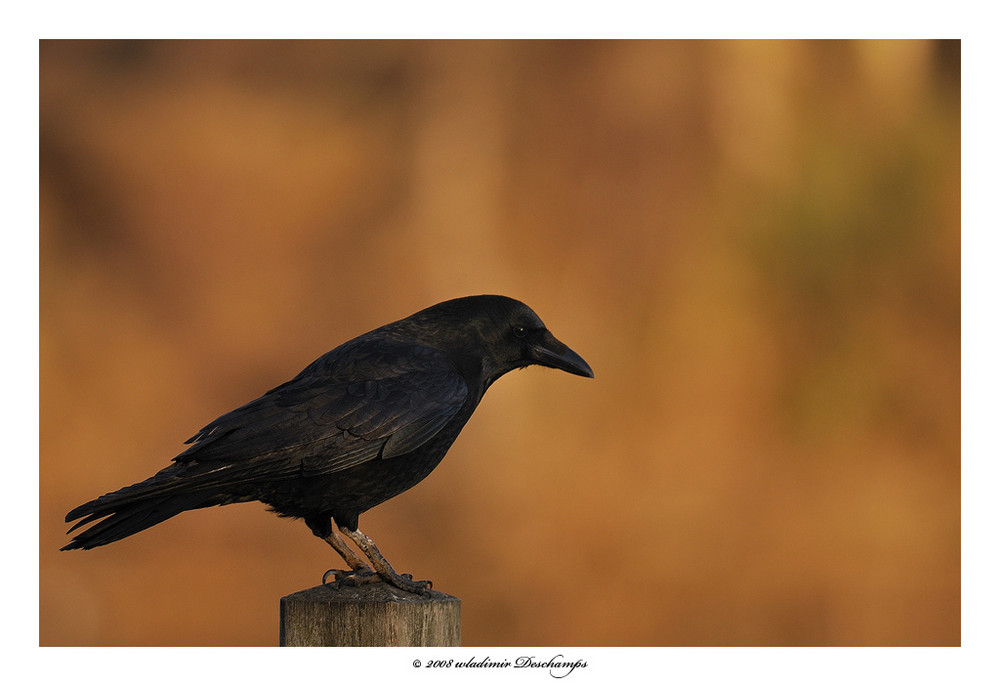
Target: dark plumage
[[361, 424]]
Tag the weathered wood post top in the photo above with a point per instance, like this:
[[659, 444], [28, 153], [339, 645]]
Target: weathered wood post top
[[370, 615]]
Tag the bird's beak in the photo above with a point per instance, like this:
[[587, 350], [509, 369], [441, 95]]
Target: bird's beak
[[550, 352]]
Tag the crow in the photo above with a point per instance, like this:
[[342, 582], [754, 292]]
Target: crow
[[362, 424]]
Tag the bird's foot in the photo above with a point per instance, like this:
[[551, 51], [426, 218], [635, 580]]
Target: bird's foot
[[338, 578], [353, 577], [405, 582], [381, 565]]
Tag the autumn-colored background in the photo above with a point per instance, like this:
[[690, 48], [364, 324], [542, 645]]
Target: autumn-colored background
[[754, 244]]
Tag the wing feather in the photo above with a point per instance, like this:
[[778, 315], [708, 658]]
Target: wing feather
[[358, 403]]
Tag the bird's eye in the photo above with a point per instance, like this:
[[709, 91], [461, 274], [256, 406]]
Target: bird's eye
[[520, 331]]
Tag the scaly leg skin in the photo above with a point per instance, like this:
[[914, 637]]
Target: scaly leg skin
[[359, 574], [382, 566]]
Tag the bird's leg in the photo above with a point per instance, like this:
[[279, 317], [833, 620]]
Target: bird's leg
[[360, 572], [382, 566]]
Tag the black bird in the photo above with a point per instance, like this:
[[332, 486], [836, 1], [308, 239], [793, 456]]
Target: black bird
[[363, 423]]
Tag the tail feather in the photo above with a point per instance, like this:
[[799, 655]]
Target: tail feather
[[137, 507], [133, 518], [169, 492], [162, 483]]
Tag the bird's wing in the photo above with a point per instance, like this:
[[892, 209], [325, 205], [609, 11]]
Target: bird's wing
[[368, 399], [377, 399]]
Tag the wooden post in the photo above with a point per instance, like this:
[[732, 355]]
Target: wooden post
[[371, 615]]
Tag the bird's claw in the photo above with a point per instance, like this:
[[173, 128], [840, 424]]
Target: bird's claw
[[360, 577], [353, 577], [405, 582]]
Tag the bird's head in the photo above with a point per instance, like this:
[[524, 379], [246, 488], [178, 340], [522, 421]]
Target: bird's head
[[506, 335]]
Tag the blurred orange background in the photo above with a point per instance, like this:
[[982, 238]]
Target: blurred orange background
[[754, 244]]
